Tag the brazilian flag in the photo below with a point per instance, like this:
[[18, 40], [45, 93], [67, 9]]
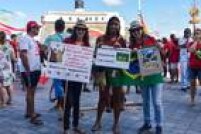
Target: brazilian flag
[[132, 75]]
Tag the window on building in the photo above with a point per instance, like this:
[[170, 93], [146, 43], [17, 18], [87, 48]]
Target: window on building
[[96, 18], [70, 18], [90, 18]]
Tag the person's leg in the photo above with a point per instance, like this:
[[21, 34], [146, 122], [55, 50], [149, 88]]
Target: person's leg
[[3, 96], [68, 105], [176, 72], [156, 91], [103, 100], [76, 103], [117, 101], [146, 108], [9, 90], [193, 76]]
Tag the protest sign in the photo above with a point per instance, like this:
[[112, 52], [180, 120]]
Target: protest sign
[[149, 61], [74, 64], [113, 58]]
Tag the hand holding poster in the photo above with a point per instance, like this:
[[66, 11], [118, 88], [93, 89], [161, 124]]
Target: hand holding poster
[[113, 58]]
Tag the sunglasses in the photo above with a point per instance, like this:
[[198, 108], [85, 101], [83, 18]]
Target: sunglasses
[[136, 30], [81, 29]]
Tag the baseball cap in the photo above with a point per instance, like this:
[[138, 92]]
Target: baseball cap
[[32, 24], [81, 24], [135, 25]]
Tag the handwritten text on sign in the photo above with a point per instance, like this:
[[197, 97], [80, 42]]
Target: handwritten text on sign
[[75, 65]]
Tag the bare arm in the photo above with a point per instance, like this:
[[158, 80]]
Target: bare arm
[[192, 48], [25, 61]]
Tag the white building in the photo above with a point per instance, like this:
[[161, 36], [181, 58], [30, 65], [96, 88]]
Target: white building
[[96, 21]]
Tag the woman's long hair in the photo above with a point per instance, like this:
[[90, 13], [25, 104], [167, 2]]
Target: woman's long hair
[[114, 18], [2, 37], [85, 38]]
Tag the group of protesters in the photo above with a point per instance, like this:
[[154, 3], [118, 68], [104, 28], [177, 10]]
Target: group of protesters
[[185, 51]]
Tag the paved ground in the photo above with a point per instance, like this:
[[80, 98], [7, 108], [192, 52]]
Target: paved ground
[[180, 118]]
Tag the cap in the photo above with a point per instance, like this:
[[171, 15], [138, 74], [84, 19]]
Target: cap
[[81, 24], [32, 24], [135, 25]]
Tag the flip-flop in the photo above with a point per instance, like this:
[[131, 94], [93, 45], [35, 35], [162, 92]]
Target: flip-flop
[[29, 116], [36, 121]]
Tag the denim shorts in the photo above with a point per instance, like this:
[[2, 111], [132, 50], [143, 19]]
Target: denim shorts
[[194, 74]]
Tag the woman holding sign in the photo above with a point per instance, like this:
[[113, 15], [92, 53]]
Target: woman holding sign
[[80, 36], [113, 39], [150, 85]]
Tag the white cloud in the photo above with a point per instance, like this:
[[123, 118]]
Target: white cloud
[[20, 14], [113, 2]]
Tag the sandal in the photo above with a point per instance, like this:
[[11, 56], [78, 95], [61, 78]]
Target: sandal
[[36, 121], [96, 127], [78, 130], [29, 116]]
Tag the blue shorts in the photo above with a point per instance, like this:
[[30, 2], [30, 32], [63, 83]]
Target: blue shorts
[[194, 74]]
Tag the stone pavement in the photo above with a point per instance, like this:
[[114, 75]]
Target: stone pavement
[[180, 118]]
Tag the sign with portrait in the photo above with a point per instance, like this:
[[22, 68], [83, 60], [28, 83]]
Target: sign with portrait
[[149, 61], [74, 64]]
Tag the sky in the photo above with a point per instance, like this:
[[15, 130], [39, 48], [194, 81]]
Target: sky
[[161, 16]]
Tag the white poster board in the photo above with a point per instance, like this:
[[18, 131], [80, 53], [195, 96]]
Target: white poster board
[[75, 63], [113, 58], [149, 61], [78, 60]]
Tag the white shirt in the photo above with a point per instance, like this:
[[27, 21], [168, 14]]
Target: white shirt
[[183, 51], [28, 43]]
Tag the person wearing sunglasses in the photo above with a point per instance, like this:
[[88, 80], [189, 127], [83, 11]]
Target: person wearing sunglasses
[[151, 87], [79, 36]]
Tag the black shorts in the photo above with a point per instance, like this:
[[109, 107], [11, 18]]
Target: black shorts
[[32, 79]]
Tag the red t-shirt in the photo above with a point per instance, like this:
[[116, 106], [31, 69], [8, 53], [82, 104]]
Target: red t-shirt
[[70, 41], [113, 42], [174, 53], [148, 41], [14, 44], [194, 62]]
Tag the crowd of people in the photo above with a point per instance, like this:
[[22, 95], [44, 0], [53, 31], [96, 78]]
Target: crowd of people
[[181, 58]]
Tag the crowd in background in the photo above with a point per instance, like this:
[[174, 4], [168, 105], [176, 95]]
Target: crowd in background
[[181, 60]]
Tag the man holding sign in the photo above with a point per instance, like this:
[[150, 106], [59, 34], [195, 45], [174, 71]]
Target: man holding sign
[[55, 55]]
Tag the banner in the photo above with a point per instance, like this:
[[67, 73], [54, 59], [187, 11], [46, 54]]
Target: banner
[[113, 58], [74, 62]]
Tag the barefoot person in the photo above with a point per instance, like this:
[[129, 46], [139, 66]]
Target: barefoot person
[[80, 36], [111, 38], [30, 69]]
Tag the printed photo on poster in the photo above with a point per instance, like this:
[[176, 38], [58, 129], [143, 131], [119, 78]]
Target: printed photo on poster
[[149, 61]]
